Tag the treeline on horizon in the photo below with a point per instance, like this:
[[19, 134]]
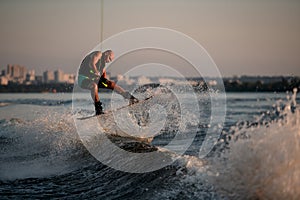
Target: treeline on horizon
[[279, 86], [36, 88], [230, 86]]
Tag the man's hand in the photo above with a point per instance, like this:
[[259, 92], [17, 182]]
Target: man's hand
[[97, 74]]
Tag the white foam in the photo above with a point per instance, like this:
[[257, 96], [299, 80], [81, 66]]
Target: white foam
[[266, 163], [39, 145]]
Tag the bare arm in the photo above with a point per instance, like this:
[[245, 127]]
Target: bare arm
[[104, 73], [95, 60]]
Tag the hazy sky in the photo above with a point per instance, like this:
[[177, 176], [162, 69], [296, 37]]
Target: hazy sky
[[257, 37]]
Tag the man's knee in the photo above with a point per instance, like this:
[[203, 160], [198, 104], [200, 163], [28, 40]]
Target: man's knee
[[93, 86], [104, 83], [111, 84]]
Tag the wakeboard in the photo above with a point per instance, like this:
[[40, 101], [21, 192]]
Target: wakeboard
[[114, 110], [111, 129]]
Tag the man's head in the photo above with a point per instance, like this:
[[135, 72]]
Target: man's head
[[108, 56]]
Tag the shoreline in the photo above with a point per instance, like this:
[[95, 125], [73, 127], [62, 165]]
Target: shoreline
[[230, 85]]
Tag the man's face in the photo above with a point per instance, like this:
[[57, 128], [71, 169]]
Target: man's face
[[109, 57]]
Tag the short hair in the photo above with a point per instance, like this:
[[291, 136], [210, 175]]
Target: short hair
[[108, 52]]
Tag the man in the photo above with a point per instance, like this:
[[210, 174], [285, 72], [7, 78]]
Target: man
[[92, 76]]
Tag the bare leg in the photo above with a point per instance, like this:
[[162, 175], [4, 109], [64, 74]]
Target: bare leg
[[113, 86], [118, 89], [94, 92], [95, 97], [121, 91]]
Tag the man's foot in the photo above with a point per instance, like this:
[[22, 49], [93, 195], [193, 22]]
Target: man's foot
[[99, 108], [133, 100], [99, 112]]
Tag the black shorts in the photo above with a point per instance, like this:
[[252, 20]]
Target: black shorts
[[104, 83], [87, 83]]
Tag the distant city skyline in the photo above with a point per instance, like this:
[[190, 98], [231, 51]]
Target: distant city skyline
[[242, 37], [21, 75]]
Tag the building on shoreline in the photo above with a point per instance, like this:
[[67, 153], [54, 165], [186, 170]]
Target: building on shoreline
[[17, 74], [17, 78]]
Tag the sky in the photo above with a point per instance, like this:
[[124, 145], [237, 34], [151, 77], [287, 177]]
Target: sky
[[257, 37]]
